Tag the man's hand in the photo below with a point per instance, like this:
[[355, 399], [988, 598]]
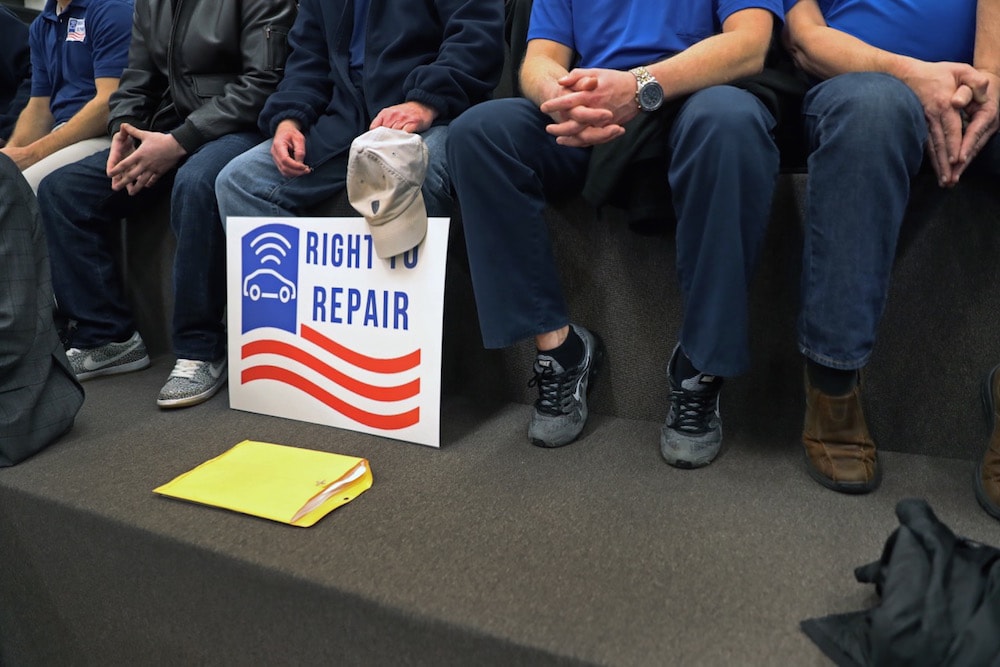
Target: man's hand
[[288, 149], [122, 145], [981, 111], [23, 156], [153, 155], [936, 86], [593, 109], [408, 117]]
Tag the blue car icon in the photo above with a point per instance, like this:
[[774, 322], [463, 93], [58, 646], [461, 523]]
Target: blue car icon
[[268, 284]]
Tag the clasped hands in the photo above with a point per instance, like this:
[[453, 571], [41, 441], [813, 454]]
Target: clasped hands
[[139, 158], [591, 106], [960, 105]]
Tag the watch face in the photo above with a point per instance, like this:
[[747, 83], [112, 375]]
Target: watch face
[[651, 96]]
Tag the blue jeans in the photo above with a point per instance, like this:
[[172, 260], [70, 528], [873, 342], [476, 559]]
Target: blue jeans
[[722, 172], [866, 134], [252, 185], [82, 216]]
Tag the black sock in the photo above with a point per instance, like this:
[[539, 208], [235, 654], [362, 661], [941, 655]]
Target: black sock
[[570, 353], [831, 381], [683, 369]]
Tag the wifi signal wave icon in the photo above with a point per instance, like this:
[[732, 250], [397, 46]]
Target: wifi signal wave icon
[[270, 247]]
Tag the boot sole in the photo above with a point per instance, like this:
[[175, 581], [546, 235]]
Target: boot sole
[[852, 488]]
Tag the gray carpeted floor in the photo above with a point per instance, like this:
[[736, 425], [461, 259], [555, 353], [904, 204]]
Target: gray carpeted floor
[[597, 552]]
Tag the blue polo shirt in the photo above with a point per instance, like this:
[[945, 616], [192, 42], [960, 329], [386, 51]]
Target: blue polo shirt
[[930, 30], [89, 40], [621, 34]]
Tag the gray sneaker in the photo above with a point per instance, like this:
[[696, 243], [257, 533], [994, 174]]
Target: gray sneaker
[[561, 408], [109, 359], [692, 434], [192, 382]]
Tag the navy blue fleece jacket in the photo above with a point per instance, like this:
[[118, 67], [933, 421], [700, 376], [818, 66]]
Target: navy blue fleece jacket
[[447, 54]]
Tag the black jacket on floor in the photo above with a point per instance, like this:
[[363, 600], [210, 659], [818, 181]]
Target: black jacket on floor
[[940, 601]]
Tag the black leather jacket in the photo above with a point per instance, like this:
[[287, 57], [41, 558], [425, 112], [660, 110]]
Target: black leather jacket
[[201, 69]]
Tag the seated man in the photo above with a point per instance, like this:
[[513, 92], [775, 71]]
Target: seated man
[[381, 63], [197, 78], [894, 81], [39, 396], [650, 74], [15, 71], [78, 51]]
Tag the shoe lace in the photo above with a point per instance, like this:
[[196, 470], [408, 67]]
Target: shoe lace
[[693, 410], [185, 368], [73, 351], [555, 390]]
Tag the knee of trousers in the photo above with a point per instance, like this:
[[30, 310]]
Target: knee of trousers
[[195, 181], [490, 127], [193, 201], [725, 111], [869, 108], [242, 188], [466, 134], [58, 200]]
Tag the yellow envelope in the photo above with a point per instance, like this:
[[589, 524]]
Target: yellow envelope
[[287, 484]]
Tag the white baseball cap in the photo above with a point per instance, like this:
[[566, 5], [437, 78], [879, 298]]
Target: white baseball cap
[[385, 171]]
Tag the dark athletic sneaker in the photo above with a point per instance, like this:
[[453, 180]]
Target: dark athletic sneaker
[[692, 434], [561, 408]]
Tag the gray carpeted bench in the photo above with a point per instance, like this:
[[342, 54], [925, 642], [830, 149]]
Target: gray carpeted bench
[[937, 341]]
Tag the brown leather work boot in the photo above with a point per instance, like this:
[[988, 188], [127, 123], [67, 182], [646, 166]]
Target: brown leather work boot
[[840, 453], [988, 473]]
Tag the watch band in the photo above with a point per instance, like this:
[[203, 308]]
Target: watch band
[[642, 77]]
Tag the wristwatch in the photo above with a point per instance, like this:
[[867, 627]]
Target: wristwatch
[[648, 91]]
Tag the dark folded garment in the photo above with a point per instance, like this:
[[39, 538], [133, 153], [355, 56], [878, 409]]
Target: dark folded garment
[[940, 601]]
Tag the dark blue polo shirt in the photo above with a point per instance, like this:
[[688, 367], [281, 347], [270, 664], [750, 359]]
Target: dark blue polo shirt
[[89, 40]]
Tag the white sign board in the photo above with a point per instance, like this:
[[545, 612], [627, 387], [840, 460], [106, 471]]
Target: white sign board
[[321, 330]]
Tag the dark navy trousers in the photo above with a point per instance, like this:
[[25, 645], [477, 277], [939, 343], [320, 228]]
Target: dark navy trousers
[[723, 164]]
